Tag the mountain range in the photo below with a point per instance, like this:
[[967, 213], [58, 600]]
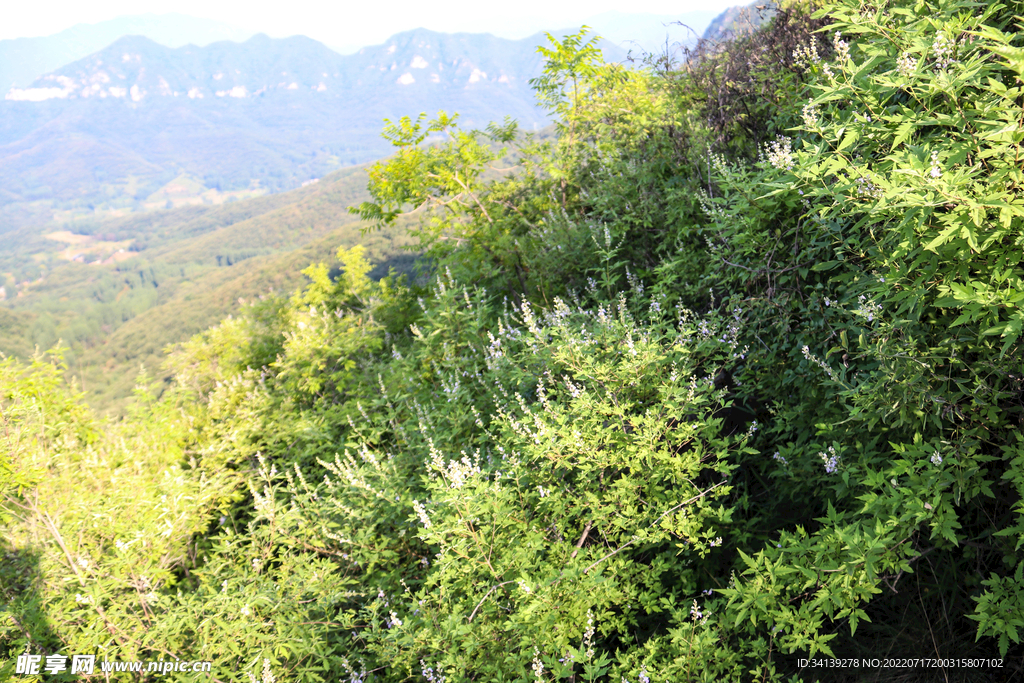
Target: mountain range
[[133, 119], [22, 60], [110, 129]]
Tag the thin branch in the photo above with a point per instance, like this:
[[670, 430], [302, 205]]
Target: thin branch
[[583, 538], [473, 614], [614, 552], [689, 500]]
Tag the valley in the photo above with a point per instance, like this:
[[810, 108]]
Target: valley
[[120, 290]]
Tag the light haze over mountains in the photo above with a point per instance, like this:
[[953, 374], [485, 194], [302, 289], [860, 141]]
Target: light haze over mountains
[[22, 60], [105, 118], [107, 131]]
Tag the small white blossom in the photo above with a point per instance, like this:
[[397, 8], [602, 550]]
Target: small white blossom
[[780, 153], [935, 171], [943, 48], [421, 512], [810, 115], [831, 460], [588, 635], [820, 363], [841, 46], [866, 188], [906, 65], [806, 57], [697, 615], [428, 673], [268, 674]]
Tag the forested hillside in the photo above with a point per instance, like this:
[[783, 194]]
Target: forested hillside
[[117, 292], [724, 382]]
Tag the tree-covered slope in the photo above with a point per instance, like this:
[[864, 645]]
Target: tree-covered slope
[[147, 281], [724, 383]]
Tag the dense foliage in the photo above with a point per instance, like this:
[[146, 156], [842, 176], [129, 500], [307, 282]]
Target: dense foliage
[[725, 376]]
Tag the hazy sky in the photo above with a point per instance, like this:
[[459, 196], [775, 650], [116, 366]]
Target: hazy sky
[[362, 22]]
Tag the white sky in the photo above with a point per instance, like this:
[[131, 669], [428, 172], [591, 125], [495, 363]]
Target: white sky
[[362, 22]]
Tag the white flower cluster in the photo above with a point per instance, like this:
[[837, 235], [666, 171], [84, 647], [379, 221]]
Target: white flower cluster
[[538, 666], [831, 460], [421, 512], [530, 319], [428, 673], [458, 472], [588, 635], [697, 615], [347, 471], [866, 188], [868, 308], [935, 171], [820, 363], [936, 458], [710, 209], [810, 115], [942, 48], [268, 674], [906, 64], [360, 676], [264, 504], [780, 153], [842, 48], [806, 56], [635, 283], [451, 387]]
